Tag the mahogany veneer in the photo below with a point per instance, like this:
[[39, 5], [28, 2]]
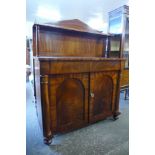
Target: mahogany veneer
[[74, 84]]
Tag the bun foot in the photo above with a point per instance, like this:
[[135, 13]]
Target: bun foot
[[115, 116], [47, 141]]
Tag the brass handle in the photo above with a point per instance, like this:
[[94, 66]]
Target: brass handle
[[92, 95]]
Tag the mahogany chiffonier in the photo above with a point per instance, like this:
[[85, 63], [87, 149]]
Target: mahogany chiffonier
[[75, 85]]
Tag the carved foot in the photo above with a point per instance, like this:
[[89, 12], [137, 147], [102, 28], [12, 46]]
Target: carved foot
[[48, 141], [115, 115]]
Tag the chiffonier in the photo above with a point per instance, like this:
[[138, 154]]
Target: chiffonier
[[75, 85]]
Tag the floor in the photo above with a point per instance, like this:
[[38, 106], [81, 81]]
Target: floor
[[106, 137]]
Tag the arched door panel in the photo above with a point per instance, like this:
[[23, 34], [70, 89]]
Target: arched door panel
[[70, 101], [101, 96]]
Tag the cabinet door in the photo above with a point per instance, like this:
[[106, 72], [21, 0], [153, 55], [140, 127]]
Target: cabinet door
[[102, 95], [69, 101]]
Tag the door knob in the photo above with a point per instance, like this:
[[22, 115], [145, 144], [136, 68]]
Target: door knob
[[92, 94]]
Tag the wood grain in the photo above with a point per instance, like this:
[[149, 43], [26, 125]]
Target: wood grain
[[74, 84], [68, 101]]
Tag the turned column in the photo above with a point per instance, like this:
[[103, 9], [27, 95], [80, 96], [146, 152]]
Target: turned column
[[46, 110]]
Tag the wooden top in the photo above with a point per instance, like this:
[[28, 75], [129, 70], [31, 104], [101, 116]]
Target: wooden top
[[64, 65], [79, 59]]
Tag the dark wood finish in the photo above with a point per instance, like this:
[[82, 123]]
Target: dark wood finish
[[103, 89], [74, 84], [46, 108], [56, 65], [69, 102], [50, 40], [66, 95]]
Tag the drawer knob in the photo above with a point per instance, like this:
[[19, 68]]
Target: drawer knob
[[92, 95]]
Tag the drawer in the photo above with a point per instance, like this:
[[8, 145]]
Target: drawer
[[62, 67], [104, 66]]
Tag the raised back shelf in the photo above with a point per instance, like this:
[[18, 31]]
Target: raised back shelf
[[68, 38]]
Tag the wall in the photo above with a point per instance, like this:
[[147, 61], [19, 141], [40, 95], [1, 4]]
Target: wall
[[92, 12]]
